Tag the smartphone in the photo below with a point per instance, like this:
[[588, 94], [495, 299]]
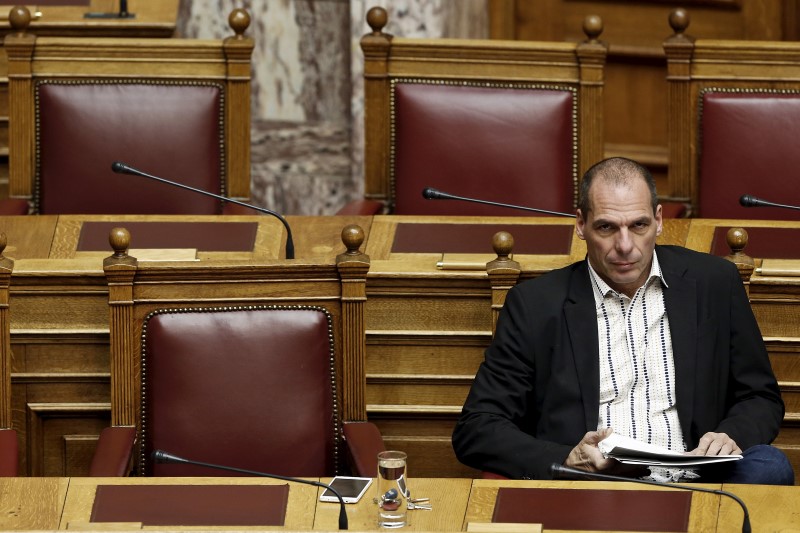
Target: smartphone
[[351, 489]]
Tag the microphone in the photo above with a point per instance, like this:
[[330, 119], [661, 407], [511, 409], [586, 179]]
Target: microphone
[[751, 201], [566, 472], [122, 168], [430, 193], [160, 456]]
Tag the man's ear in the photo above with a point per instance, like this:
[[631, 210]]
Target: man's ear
[[659, 220], [579, 224]]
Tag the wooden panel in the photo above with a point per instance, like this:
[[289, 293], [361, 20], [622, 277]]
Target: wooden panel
[[636, 110]]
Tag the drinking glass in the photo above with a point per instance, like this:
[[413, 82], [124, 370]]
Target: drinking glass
[[392, 489]]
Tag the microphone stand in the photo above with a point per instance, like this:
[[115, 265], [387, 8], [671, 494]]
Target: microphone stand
[[122, 168], [430, 193], [565, 472], [160, 456]]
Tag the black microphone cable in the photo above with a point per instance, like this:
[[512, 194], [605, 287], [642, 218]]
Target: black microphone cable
[[160, 456]]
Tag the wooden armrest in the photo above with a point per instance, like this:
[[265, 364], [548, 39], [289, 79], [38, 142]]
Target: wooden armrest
[[362, 207], [113, 453], [364, 442], [8, 453]]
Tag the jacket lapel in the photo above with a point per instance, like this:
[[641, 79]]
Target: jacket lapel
[[680, 299], [581, 319]]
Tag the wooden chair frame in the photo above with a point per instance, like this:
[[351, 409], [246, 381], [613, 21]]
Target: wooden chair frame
[[695, 66], [137, 290], [223, 62], [387, 58]]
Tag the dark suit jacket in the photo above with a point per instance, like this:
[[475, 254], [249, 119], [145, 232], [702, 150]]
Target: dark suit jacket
[[537, 392]]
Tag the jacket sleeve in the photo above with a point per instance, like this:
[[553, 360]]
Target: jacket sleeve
[[495, 430]]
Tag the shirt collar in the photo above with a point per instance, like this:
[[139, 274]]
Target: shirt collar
[[601, 289]]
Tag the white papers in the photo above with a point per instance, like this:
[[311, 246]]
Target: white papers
[[630, 451]]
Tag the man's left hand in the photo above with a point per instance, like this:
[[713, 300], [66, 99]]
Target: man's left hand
[[716, 444]]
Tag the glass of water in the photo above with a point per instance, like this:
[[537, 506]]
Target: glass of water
[[392, 489]]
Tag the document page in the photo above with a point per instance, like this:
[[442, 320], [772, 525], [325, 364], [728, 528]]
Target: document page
[[630, 451]]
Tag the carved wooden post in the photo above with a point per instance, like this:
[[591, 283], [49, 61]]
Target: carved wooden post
[[120, 270], [376, 46], [353, 267], [19, 48], [592, 58], [6, 267], [503, 272], [238, 50], [737, 240], [679, 49]]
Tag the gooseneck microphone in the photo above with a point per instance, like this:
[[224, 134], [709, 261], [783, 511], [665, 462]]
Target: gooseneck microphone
[[160, 456], [751, 201], [122, 168], [566, 472], [430, 193]]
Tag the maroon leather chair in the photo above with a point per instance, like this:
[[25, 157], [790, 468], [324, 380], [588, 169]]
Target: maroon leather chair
[[748, 145], [253, 388], [80, 104], [514, 122], [258, 366], [734, 117], [8, 453]]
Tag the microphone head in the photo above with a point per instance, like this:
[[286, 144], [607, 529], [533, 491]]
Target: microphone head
[[429, 193], [160, 456], [746, 200], [119, 168]]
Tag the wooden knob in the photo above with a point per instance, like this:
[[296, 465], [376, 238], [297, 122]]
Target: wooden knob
[[592, 27], [239, 21], [503, 243], [353, 238], [120, 240], [377, 17], [3, 242], [20, 18], [679, 20], [737, 239]]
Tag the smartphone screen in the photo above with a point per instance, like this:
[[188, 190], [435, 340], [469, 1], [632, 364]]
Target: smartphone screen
[[351, 489]]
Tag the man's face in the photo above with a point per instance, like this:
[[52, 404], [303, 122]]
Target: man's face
[[620, 232]]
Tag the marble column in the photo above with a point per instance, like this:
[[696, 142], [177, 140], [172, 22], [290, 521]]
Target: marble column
[[307, 104]]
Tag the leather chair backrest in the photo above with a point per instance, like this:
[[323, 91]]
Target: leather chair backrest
[[171, 130], [508, 143], [252, 388], [749, 145]]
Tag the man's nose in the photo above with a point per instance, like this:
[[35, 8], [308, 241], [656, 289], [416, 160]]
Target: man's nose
[[624, 243]]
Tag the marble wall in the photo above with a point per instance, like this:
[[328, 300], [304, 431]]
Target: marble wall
[[307, 103]]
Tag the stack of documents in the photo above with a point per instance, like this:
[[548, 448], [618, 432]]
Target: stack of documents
[[630, 451]]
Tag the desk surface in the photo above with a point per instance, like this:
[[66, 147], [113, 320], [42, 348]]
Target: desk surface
[[58, 503]]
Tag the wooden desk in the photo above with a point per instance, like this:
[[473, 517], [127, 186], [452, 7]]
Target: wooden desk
[[31, 503], [770, 508]]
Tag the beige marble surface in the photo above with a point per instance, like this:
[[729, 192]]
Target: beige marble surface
[[307, 101]]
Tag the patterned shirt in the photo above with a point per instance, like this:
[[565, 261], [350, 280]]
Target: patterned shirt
[[637, 371]]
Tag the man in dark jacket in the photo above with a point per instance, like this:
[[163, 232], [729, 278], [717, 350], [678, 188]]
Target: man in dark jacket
[[657, 343]]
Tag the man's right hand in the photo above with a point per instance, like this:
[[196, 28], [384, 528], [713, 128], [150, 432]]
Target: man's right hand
[[587, 456]]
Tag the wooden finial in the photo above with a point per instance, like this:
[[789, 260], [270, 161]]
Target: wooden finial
[[592, 27], [377, 17], [503, 244], [239, 21], [3, 243], [120, 241], [20, 18], [737, 240], [679, 20], [353, 238]]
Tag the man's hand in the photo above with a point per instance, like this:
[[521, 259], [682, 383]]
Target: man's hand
[[587, 456], [716, 444]]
